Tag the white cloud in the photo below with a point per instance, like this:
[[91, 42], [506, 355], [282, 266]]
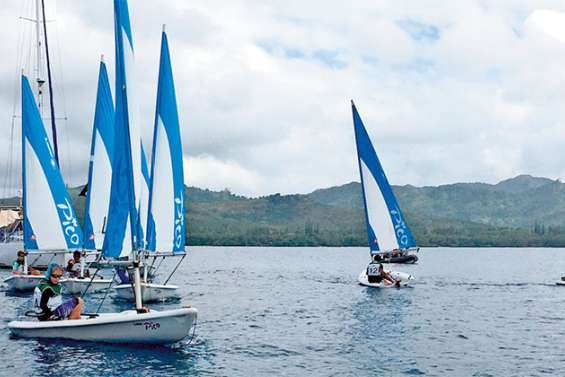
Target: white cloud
[[549, 22], [264, 88], [209, 172]]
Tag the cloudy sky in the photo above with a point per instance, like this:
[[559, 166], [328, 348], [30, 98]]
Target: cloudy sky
[[450, 91]]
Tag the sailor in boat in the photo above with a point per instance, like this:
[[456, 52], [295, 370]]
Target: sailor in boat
[[376, 274], [122, 276], [47, 297], [74, 267], [18, 267]]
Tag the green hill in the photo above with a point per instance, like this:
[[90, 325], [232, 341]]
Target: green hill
[[522, 211]]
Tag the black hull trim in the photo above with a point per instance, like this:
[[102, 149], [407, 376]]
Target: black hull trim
[[406, 259]]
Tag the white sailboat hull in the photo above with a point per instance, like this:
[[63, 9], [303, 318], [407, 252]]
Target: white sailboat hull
[[22, 283], [163, 327], [75, 286], [404, 278], [149, 292]]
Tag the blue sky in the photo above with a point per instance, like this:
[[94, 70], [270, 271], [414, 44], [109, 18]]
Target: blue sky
[[450, 91]]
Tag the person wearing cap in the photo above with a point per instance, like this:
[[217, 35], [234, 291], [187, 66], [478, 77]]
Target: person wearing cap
[[18, 267], [47, 297]]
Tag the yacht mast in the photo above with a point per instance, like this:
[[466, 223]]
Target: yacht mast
[[39, 79], [50, 82]]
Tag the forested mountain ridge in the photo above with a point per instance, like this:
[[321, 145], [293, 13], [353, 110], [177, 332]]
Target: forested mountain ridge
[[521, 211]]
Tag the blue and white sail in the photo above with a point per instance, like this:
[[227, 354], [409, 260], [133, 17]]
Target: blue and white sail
[[100, 167], [386, 227], [123, 230], [50, 222], [166, 228], [144, 197]]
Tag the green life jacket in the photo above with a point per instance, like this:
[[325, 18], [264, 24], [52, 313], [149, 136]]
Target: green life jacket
[[54, 301], [44, 284]]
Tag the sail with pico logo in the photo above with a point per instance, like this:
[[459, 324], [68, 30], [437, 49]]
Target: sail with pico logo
[[123, 229], [50, 222], [386, 228], [166, 228], [100, 167]]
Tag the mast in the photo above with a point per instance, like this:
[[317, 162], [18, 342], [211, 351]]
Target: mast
[[39, 79], [51, 103]]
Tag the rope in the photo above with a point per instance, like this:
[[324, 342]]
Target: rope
[[93, 276], [151, 268], [175, 269], [159, 265], [63, 98], [39, 256], [106, 293], [193, 332], [83, 294]]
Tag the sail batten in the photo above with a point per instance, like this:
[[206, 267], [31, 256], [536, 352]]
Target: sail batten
[[166, 228], [100, 167], [50, 222], [386, 228]]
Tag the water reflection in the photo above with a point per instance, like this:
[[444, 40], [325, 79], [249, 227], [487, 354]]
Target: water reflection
[[64, 358]]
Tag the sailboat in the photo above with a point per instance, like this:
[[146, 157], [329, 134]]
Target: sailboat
[[386, 228], [166, 229], [50, 222], [98, 194], [12, 231], [123, 230]]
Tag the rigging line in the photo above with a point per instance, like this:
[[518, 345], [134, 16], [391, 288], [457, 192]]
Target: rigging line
[[151, 266], [175, 269], [37, 258], [63, 96], [193, 332], [106, 293], [30, 49], [83, 294], [19, 58], [49, 79], [132, 284], [10, 180], [19, 52], [9, 173], [159, 265]]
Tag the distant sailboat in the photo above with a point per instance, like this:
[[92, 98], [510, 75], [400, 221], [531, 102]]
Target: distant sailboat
[[386, 229]]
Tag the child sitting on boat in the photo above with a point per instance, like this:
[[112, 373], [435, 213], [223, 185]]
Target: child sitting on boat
[[47, 297], [73, 266], [18, 267]]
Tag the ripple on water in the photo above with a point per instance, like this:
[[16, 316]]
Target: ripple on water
[[299, 311]]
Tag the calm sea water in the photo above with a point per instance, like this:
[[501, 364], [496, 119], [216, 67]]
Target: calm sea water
[[300, 312]]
